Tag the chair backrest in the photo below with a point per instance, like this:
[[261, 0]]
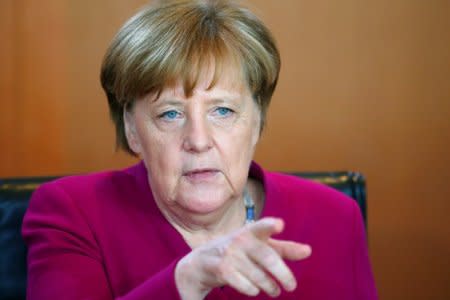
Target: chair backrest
[[15, 194], [353, 184]]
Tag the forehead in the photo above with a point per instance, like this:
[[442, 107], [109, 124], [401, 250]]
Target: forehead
[[226, 82]]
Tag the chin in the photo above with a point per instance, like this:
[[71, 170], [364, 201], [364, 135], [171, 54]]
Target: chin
[[204, 201]]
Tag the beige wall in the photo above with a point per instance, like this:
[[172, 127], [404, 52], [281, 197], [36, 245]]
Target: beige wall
[[364, 86]]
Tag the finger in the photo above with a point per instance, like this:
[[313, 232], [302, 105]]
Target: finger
[[266, 227], [240, 283], [257, 276], [290, 250], [271, 262]]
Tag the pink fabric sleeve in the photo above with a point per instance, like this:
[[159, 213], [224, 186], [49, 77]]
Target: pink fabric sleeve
[[364, 281], [64, 260]]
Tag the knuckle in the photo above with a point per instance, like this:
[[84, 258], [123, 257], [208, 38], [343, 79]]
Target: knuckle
[[260, 278], [221, 269], [269, 257], [239, 239], [247, 287], [263, 281], [223, 250]]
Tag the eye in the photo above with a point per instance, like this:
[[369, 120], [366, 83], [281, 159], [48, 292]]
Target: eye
[[170, 115], [223, 111]]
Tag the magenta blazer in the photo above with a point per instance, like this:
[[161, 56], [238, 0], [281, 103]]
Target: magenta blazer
[[101, 236]]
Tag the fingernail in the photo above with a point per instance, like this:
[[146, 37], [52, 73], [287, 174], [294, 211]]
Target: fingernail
[[291, 285], [276, 292], [278, 223], [254, 291], [307, 249]]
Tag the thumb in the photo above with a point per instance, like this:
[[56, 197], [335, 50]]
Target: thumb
[[266, 227]]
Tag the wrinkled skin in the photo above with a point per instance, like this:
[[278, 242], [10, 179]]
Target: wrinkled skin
[[197, 151]]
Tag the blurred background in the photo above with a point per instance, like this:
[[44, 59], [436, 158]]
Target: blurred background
[[364, 86]]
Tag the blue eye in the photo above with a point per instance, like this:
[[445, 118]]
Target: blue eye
[[224, 111], [170, 115]]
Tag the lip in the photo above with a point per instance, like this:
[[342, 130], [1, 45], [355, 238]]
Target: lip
[[199, 175]]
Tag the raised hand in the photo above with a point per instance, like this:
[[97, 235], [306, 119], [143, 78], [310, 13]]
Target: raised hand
[[248, 260]]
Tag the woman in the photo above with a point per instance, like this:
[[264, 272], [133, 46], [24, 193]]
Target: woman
[[188, 85]]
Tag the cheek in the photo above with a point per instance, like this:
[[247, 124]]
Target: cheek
[[236, 158], [238, 145], [250, 131], [160, 150], [163, 163]]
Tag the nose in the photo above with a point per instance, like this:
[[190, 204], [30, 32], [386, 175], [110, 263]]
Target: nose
[[197, 136]]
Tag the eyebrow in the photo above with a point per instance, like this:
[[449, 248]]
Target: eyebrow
[[168, 102], [162, 102], [216, 100], [221, 100]]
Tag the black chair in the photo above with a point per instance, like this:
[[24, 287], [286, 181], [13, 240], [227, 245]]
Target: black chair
[[15, 194]]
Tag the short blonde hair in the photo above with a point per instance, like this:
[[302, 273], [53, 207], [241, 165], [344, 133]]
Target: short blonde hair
[[174, 40]]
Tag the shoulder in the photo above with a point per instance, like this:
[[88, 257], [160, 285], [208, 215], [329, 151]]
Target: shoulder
[[299, 191], [101, 181], [83, 193], [79, 206], [331, 223], [310, 209]]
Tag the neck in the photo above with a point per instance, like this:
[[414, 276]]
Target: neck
[[197, 229]]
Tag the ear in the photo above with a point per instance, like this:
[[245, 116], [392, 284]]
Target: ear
[[131, 133]]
